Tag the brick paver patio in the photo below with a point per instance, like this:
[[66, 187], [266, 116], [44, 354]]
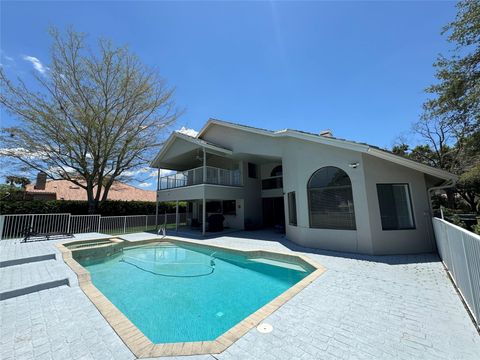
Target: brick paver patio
[[393, 307]]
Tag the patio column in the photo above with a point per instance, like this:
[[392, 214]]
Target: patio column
[[204, 166], [176, 217], [156, 200], [204, 212]]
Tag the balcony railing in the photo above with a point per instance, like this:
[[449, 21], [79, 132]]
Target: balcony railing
[[191, 177], [272, 183]]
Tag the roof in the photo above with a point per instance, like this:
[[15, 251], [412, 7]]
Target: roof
[[195, 140], [66, 190], [337, 142]]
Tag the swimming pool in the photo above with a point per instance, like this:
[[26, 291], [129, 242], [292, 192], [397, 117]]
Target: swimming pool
[[182, 292]]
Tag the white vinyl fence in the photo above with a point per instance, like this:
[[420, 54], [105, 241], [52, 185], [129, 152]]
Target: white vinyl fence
[[459, 250], [15, 226]]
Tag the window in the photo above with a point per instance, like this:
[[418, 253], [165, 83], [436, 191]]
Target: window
[[330, 200], [395, 206], [229, 207], [292, 209], [252, 170], [214, 207], [276, 171]]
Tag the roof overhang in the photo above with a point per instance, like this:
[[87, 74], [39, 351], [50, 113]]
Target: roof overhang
[[340, 143], [157, 161]]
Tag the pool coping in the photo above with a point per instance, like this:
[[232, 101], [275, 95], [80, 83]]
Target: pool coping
[[141, 346]]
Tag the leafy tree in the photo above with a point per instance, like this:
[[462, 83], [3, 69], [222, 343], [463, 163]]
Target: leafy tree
[[456, 98], [449, 128], [100, 113], [13, 180], [468, 187], [9, 193]]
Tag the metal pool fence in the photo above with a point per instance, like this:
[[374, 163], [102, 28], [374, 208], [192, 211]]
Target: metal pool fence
[[459, 250], [14, 226]]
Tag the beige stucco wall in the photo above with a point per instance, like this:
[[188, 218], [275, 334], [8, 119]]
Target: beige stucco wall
[[300, 160], [211, 192], [236, 221], [417, 240], [244, 143]]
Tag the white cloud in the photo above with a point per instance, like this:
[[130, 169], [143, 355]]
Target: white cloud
[[166, 172], [145, 184], [140, 171], [37, 64], [189, 132], [22, 152], [6, 61]]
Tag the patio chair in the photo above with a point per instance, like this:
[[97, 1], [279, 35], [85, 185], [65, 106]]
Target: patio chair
[[31, 235]]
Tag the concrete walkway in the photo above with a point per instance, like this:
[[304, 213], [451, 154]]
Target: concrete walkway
[[393, 307]]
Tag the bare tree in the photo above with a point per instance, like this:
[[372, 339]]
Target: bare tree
[[99, 114]]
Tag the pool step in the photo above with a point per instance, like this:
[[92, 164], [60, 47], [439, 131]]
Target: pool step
[[33, 288], [278, 263], [27, 260], [22, 279]]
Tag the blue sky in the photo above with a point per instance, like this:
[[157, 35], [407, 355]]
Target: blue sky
[[358, 68]]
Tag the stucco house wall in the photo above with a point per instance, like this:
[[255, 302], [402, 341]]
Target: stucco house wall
[[297, 170], [301, 155], [420, 239]]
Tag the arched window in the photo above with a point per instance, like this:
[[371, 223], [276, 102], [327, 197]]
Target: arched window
[[330, 199], [277, 171]]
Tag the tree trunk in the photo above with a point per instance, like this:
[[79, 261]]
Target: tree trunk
[[450, 198], [92, 206], [92, 201]]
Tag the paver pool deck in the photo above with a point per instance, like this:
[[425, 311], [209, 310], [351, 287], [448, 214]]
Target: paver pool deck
[[362, 307]]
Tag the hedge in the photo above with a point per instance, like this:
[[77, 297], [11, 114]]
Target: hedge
[[108, 208]]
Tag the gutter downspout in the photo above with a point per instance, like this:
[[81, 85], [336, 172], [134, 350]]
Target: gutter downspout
[[448, 184], [156, 208], [204, 202]]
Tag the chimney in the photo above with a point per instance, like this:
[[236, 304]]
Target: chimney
[[41, 181], [326, 133]]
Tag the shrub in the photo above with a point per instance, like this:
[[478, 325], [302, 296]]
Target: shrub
[[476, 228], [108, 208]]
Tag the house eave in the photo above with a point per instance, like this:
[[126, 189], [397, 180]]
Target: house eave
[[156, 162], [340, 143]]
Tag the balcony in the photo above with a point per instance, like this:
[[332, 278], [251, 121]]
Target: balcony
[[272, 183], [214, 175]]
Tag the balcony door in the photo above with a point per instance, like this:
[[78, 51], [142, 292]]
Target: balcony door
[[273, 212]]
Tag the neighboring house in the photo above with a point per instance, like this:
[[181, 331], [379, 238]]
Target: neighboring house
[[326, 192], [65, 190]]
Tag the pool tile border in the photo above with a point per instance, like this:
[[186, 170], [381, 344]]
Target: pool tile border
[[142, 347]]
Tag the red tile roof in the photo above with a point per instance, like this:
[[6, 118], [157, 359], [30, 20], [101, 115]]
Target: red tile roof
[[66, 190]]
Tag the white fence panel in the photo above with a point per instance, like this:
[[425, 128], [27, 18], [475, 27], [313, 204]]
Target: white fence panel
[[14, 226], [135, 223], [459, 250], [84, 223], [112, 224]]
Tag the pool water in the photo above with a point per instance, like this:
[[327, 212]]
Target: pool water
[[181, 293]]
